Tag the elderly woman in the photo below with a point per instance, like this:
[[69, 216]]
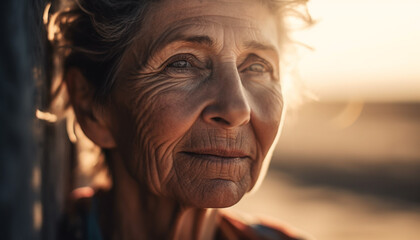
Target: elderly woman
[[185, 99]]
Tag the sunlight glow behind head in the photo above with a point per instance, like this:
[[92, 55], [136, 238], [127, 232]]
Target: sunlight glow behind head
[[364, 50]]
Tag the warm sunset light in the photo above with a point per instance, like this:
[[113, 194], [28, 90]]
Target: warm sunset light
[[346, 166], [364, 50], [210, 119]]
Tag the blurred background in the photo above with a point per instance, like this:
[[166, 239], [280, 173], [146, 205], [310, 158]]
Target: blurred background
[[348, 164]]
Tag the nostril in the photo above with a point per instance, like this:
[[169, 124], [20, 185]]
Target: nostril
[[220, 120]]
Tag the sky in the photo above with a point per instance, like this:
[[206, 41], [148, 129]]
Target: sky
[[364, 50]]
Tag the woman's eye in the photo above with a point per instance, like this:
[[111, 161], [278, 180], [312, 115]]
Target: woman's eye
[[180, 64], [257, 67]]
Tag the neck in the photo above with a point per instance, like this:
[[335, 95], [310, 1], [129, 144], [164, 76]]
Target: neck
[[138, 214]]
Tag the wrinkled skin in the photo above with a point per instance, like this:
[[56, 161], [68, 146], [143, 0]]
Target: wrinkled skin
[[196, 121], [197, 104]]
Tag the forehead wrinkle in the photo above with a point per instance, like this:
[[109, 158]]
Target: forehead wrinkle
[[175, 31], [185, 30], [182, 38], [175, 34]]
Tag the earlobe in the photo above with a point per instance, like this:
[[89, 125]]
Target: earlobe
[[91, 117]]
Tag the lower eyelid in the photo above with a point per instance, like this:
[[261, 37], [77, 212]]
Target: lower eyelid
[[178, 70], [186, 72]]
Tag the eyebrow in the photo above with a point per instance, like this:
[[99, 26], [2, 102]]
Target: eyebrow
[[174, 35], [205, 40], [166, 39], [260, 46]]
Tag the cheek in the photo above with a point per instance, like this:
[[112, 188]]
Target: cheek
[[162, 107], [267, 105], [155, 117]]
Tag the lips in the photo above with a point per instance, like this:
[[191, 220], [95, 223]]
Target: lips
[[217, 154], [216, 164]]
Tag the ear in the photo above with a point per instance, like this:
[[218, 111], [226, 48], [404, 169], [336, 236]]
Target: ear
[[91, 117]]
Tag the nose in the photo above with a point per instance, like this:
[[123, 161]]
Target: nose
[[229, 106]]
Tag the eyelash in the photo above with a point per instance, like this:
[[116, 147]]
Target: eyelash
[[180, 57], [265, 64]]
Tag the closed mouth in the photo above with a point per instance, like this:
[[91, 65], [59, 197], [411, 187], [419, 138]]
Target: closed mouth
[[215, 164], [217, 153]]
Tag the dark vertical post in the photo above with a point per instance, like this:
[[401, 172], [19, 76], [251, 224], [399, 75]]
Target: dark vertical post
[[21, 49], [16, 119]]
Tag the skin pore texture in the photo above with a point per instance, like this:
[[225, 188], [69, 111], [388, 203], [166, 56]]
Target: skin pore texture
[[191, 118]]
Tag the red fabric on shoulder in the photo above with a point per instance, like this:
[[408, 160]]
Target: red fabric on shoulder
[[231, 228]]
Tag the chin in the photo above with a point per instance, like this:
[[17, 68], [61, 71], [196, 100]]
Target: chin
[[217, 193]]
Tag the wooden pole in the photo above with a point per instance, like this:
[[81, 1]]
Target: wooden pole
[[21, 135]]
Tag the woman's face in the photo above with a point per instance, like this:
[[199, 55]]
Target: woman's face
[[198, 102]]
